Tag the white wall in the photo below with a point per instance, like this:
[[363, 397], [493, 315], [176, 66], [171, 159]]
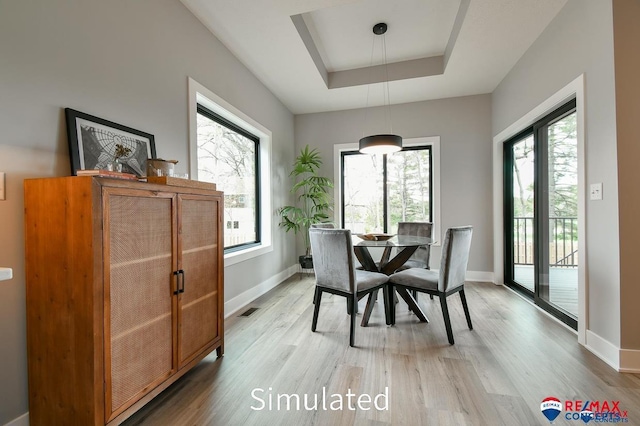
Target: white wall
[[579, 40], [464, 127], [128, 62]]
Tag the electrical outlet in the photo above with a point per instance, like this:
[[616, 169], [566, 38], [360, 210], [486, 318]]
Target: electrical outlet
[[2, 191], [595, 192]]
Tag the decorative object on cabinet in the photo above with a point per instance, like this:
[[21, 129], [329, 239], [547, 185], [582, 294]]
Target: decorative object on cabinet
[[95, 143], [106, 173], [160, 167], [124, 288], [178, 181]]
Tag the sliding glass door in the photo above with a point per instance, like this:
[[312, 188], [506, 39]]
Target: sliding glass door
[[521, 211], [541, 218]]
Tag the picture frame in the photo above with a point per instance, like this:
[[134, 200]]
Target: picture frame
[[93, 142]]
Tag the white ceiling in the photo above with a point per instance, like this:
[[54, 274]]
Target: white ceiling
[[417, 28], [476, 43]]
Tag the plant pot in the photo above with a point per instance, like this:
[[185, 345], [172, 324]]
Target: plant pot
[[306, 262]]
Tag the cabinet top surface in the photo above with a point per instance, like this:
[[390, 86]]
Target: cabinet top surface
[[125, 183]]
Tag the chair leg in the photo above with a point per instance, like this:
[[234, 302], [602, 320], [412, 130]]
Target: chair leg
[[349, 307], [463, 298], [392, 304], [316, 298], [385, 297], [414, 294], [431, 296], [447, 320], [352, 301], [373, 296]]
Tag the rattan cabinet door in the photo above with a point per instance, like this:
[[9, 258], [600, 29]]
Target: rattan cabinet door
[[198, 240], [140, 311]]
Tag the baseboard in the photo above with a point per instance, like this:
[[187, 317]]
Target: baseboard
[[629, 361], [243, 299], [482, 276], [603, 349], [23, 420]]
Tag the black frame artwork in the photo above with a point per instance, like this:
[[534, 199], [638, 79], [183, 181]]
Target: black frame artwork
[[93, 140]]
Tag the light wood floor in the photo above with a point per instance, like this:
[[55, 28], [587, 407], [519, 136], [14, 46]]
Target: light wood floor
[[496, 374]]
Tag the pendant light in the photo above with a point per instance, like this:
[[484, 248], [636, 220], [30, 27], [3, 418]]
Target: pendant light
[[383, 143]]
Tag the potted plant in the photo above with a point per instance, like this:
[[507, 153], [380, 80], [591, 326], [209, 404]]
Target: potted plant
[[313, 202]]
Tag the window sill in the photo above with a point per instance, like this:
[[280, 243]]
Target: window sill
[[246, 254]]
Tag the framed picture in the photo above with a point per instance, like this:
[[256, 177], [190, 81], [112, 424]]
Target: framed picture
[[95, 143]]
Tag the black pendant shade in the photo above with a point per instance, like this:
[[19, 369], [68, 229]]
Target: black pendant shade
[[380, 144]]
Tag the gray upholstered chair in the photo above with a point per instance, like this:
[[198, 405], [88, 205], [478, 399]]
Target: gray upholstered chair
[[419, 259], [443, 283], [326, 225], [335, 272]]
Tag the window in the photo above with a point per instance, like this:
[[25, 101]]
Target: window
[[229, 156], [377, 192], [232, 150]]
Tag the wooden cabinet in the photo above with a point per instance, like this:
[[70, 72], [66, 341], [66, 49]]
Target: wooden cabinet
[[124, 293]]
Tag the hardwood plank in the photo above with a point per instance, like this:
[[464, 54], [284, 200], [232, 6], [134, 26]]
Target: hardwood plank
[[349, 378], [496, 374], [514, 410], [407, 408], [472, 397]]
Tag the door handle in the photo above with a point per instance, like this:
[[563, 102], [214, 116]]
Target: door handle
[[177, 275], [181, 272]]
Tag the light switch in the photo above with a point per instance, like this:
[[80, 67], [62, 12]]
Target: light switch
[[595, 191], [2, 196], [6, 273]]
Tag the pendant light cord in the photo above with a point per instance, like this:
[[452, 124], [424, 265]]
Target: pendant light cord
[[366, 105], [383, 143], [386, 94], [386, 79]]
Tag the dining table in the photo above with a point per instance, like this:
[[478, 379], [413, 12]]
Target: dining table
[[397, 249]]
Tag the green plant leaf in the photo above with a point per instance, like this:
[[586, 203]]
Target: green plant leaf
[[313, 201]]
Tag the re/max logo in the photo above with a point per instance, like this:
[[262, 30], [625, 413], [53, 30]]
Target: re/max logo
[[595, 406]]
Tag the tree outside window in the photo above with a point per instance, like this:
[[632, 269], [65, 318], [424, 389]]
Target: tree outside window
[[228, 157], [380, 191]]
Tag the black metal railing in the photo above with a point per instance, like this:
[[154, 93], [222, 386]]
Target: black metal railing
[[563, 244]]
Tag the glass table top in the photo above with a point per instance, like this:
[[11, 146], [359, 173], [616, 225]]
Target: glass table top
[[395, 241]]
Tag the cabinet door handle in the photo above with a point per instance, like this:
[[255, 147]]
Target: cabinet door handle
[[177, 275], [181, 271]]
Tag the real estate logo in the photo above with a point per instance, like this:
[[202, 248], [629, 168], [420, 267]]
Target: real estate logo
[[551, 407], [585, 411]]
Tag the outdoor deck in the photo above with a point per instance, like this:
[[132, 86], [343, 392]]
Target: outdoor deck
[[563, 285]]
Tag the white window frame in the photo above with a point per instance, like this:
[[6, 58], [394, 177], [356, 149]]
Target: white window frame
[[199, 94], [432, 141]]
